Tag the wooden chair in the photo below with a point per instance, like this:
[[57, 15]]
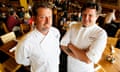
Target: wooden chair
[[98, 68], [25, 28], [112, 41], [5, 27], [1, 68], [10, 64], [117, 35]]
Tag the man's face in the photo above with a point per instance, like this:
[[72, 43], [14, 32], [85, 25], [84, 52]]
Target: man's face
[[43, 19], [89, 17]]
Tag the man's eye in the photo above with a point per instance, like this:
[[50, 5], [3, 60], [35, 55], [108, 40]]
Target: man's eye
[[90, 15], [42, 17]]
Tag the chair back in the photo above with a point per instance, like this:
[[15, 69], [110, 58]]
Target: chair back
[[25, 28], [1, 68], [5, 28], [111, 41], [8, 37], [117, 35]]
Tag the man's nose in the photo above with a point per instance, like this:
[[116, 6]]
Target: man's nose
[[86, 17], [47, 20]]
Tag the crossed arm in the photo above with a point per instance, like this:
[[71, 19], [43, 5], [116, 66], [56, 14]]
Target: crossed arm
[[75, 52]]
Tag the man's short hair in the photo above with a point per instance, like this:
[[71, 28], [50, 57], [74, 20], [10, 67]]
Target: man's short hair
[[40, 5], [92, 5]]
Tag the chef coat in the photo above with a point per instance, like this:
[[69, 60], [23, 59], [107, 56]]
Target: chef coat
[[39, 51], [92, 37]]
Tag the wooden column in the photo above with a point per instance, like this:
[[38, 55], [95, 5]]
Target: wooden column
[[24, 4], [118, 3], [31, 2]]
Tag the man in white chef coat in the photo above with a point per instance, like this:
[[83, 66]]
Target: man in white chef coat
[[84, 42], [40, 49]]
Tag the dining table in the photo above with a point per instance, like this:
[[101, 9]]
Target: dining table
[[110, 65]]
